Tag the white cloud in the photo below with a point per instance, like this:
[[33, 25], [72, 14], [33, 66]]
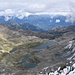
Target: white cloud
[[71, 16], [35, 5], [8, 12], [57, 21], [23, 8], [21, 15]]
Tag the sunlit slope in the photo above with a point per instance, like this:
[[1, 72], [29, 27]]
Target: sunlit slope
[[5, 45], [10, 39]]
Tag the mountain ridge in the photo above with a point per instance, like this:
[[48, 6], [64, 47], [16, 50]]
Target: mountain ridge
[[44, 21]]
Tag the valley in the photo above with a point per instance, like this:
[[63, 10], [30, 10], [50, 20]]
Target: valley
[[29, 52], [15, 48], [37, 37]]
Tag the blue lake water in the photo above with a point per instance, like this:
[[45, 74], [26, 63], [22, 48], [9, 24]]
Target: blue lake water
[[45, 45], [13, 50], [24, 59], [30, 65]]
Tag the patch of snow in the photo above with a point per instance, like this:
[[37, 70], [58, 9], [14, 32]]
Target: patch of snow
[[65, 71], [73, 49], [68, 70], [69, 45], [72, 72], [71, 57], [45, 68]]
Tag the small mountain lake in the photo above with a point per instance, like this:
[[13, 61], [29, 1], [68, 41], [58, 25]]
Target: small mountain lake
[[30, 65], [40, 47], [13, 50], [45, 45]]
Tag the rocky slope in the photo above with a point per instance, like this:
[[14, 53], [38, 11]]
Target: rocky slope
[[17, 57], [61, 30], [57, 59], [65, 67], [14, 40], [24, 26]]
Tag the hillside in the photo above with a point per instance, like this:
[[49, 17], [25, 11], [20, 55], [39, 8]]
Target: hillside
[[62, 30], [15, 47], [17, 54], [44, 61], [24, 26]]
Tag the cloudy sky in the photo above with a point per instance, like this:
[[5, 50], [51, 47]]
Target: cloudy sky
[[21, 8], [37, 5]]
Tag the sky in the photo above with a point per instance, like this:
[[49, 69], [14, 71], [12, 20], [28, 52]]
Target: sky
[[34, 6], [22, 8]]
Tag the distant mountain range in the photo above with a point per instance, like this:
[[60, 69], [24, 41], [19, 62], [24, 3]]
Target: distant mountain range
[[42, 22], [60, 30], [24, 26]]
